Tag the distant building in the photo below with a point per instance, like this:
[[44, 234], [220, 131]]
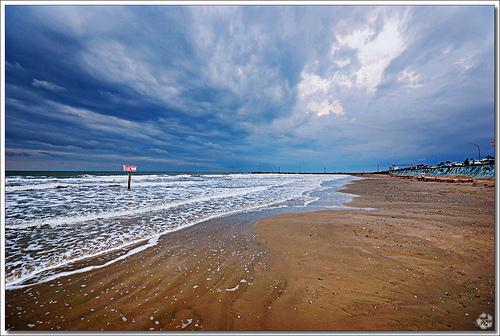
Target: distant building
[[487, 160], [446, 164]]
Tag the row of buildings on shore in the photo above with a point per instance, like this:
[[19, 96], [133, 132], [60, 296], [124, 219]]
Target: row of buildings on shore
[[467, 162]]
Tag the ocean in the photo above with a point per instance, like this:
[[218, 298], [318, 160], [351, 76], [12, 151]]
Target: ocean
[[53, 219]]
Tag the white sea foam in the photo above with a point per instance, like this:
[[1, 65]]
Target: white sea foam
[[16, 284], [235, 288], [187, 323], [48, 228], [78, 219], [306, 203], [41, 186], [14, 184]]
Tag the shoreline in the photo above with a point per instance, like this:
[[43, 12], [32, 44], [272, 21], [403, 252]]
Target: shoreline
[[244, 276], [111, 255]]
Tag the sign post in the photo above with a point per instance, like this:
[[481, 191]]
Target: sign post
[[129, 169]]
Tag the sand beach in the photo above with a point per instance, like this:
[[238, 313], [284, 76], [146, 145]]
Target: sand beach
[[422, 259]]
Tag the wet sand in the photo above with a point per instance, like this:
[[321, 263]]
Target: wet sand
[[423, 260]]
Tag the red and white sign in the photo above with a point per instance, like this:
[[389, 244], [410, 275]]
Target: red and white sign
[[129, 168]]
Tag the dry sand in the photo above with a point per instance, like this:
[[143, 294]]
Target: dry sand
[[423, 260]]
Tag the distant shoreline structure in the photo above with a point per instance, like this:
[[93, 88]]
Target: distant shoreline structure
[[474, 171], [452, 169]]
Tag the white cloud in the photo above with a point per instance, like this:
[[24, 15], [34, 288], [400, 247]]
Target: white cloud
[[41, 84], [333, 49], [375, 51], [447, 50], [340, 79], [113, 156], [114, 62], [410, 77], [311, 84], [326, 107], [314, 95], [14, 65], [357, 39], [77, 21], [342, 62], [236, 58], [465, 63], [94, 121], [375, 45]]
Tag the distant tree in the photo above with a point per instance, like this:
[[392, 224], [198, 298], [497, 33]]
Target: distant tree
[[466, 162]]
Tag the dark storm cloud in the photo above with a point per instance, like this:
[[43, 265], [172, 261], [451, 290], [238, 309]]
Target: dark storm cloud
[[229, 88]]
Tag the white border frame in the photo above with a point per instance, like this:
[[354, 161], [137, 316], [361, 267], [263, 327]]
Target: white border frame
[[250, 3]]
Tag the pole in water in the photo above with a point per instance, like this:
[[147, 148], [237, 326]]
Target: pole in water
[[127, 168]]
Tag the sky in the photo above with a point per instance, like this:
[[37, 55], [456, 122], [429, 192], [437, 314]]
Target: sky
[[243, 88]]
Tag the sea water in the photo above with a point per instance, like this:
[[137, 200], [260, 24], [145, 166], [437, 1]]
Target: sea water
[[54, 219]]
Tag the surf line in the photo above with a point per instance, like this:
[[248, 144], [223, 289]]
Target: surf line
[[152, 240], [16, 284]]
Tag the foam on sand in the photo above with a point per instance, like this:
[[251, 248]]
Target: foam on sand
[[16, 284], [48, 228]]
